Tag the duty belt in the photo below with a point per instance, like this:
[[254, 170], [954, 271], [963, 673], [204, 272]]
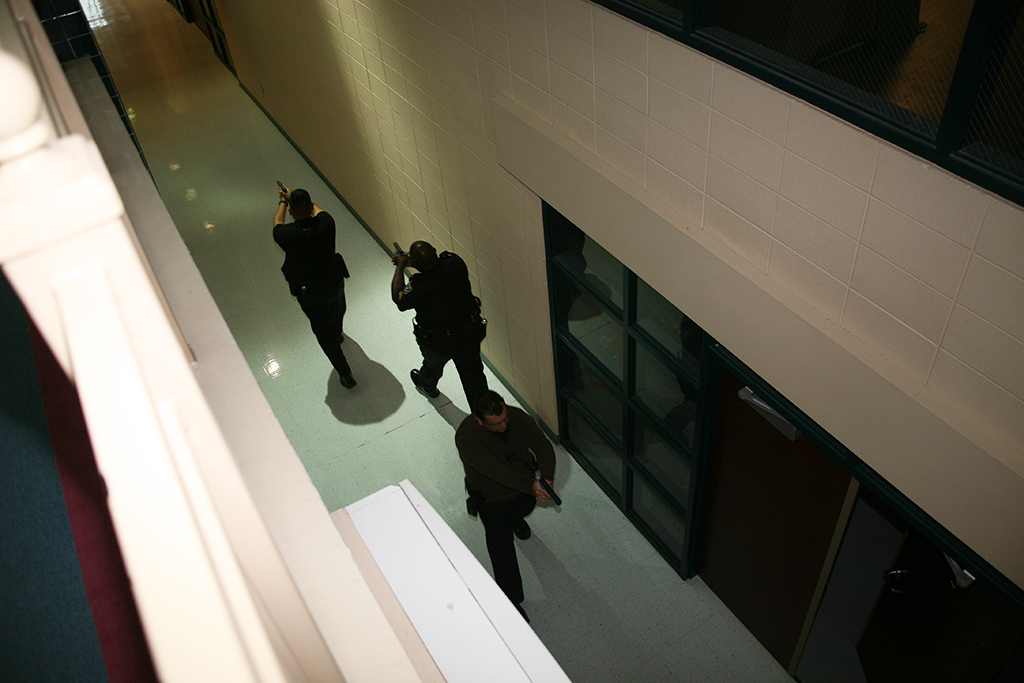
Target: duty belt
[[430, 335]]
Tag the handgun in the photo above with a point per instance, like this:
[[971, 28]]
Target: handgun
[[283, 189], [551, 491], [398, 249]]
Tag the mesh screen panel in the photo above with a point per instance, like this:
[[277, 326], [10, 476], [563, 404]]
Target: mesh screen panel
[[996, 130], [896, 52]]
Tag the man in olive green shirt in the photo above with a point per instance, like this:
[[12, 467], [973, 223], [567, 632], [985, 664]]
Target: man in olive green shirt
[[502, 449]]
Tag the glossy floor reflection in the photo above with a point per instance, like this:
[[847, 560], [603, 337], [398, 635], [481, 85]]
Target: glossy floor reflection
[[599, 596]]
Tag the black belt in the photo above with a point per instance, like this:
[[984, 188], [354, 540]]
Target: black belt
[[430, 335]]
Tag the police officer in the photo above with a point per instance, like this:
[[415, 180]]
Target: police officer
[[448, 325], [315, 272]]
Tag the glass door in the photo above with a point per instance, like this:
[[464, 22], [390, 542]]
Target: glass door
[[628, 366]]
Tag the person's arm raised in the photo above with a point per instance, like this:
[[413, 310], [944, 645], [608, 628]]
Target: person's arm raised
[[401, 262], [282, 208]]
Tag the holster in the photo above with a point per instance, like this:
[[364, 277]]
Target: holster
[[473, 501]]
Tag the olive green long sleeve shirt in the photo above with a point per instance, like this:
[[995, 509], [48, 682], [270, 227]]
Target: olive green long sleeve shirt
[[499, 468]]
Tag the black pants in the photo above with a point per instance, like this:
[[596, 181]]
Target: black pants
[[499, 518], [326, 315], [462, 347]]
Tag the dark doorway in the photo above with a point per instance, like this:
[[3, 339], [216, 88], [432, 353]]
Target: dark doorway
[[898, 609], [184, 9], [210, 25], [774, 502], [204, 14], [927, 625]]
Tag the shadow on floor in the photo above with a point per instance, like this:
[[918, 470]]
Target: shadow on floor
[[377, 395], [565, 606], [452, 414]]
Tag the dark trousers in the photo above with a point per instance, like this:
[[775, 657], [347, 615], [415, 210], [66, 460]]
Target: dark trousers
[[326, 315], [499, 517], [462, 347]]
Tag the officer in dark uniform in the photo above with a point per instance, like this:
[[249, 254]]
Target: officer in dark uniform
[[315, 272], [448, 325]]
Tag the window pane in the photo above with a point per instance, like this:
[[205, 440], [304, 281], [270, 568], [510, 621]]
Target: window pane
[[665, 463], [662, 519], [594, 449], [584, 257], [603, 401], [902, 52], [680, 336], [996, 131], [579, 315], [667, 397]]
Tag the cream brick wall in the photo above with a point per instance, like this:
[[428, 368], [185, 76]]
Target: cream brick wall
[[392, 100]]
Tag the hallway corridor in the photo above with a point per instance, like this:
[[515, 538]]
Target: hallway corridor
[[599, 596]]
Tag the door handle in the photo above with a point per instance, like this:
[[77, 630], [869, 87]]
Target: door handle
[[893, 577]]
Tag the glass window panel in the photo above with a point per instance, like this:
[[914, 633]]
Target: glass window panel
[[666, 395], [659, 516], [664, 462], [591, 446], [581, 317], [680, 336], [585, 258], [996, 130], [899, 51], [589, 387]]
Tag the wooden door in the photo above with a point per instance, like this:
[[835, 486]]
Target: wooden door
[[772, 509]]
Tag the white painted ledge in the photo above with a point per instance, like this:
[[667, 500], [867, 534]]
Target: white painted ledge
[[469, 627]]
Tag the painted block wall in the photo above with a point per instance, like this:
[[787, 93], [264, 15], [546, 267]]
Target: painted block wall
[[392, 100]]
